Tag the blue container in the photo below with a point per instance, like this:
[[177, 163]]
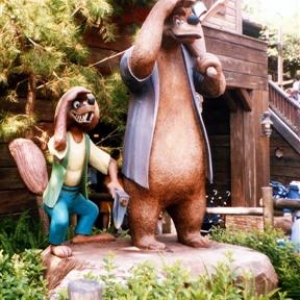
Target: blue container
[[293, 192]]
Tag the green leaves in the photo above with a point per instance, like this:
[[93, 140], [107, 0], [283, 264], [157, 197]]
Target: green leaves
[[283, 258], [45, 41], [14, 125], [21, 276], [21, 270], [282, 18], [18, 234]]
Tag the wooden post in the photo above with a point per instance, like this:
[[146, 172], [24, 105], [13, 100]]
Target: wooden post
[[84, 289], [267, 197], [280, 55]]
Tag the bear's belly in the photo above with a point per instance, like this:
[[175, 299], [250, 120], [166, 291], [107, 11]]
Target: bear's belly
[[177, 154]]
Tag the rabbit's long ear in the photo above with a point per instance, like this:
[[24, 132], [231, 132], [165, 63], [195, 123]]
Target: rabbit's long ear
[[61, 115], [96, 117], [60, 124]]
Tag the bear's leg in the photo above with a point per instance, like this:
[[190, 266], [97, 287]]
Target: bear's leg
[[143, 217], [143, 213], [187, 216]]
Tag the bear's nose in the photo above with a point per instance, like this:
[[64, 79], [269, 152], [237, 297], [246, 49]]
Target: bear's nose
[[193, 20]]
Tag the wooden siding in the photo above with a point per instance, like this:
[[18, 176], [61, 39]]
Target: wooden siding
[[14, 196], [249, 151], [44, 108], [228, 19], [244, 59]]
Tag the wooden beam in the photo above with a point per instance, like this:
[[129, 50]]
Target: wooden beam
[[230, 101], [287, 203], [240, 158], [268, 206], [256, 211], [244, 99]]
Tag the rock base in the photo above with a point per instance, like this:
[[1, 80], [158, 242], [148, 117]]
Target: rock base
[[88, 258]]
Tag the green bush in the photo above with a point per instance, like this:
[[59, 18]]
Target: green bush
[[285, 262], [20, 233], [21, 270], [21, 276]]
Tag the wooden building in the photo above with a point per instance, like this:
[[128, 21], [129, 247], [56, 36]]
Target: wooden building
[[240, 151]]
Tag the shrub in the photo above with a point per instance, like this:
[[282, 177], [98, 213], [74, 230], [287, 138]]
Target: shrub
[[20, 233], [21, 276], [285, 262]]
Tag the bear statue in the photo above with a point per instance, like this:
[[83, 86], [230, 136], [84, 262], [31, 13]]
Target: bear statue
[[166, 156]]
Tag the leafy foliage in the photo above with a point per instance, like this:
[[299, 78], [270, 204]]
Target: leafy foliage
[[43, 52], [14, 125], [285, 262], [46, 37], [21, 267], [20, 233], [278, 17], [21, 276]]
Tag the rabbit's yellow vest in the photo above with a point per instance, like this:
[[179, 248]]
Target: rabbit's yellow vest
[[59, 169]]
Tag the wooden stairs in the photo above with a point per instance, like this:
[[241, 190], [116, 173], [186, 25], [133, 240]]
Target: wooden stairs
[[285, 114]]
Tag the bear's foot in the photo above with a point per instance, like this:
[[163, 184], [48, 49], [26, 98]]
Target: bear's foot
[[61, 251], [195, 240], [149, 243], [99, 238]]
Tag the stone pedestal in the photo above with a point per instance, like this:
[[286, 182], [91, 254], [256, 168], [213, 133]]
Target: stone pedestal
[[88, 258]]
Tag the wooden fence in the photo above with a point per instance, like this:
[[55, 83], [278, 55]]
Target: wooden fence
[[270, 207]]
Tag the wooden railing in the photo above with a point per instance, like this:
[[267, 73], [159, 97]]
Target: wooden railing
[[287, 108], [270, 208]]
